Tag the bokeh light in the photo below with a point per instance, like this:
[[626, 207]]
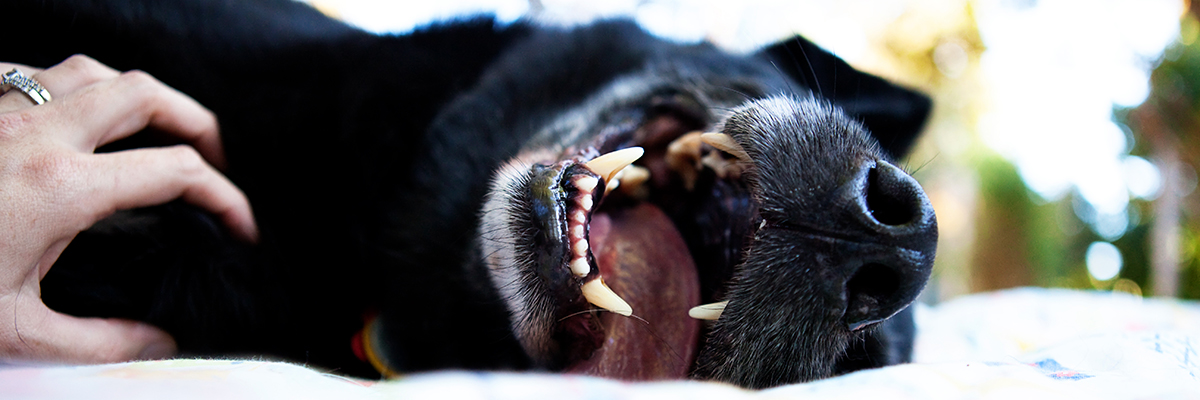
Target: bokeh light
[[1103, 260]]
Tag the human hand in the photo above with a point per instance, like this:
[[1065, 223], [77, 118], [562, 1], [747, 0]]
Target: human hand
[[52, 187]]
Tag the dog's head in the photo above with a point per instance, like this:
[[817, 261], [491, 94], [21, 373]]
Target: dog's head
[[657, 180]]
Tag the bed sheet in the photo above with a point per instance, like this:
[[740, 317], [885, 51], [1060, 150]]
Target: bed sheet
[[1016, 344]]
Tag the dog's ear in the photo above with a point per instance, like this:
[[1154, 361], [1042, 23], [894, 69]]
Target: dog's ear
[[895, 115]]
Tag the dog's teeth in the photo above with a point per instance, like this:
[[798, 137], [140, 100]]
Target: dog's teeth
[[683, 156], [609, 164], [580, 217], [586, 202], [709, 312], [580, 267], [581, 247], [586, 184], [597, 293], [684, 151], [725, 143], [632, 178]]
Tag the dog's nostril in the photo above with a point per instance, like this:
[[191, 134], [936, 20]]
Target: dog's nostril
[[873, 281], [872, 295], [891, 201]]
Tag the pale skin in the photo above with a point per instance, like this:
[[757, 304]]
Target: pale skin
[[53, 186]]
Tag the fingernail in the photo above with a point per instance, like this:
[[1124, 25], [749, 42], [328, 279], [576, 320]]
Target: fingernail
[[157, 351]]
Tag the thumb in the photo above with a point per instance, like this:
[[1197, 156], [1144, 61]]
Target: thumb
[[57, 337]]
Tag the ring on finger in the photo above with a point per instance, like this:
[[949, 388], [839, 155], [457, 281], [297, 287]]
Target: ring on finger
[[31, 87]]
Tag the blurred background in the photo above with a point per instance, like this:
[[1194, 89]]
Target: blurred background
[[1062, 150]]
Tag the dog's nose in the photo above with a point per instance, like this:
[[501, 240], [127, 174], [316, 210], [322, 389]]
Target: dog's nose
[[885, 274]]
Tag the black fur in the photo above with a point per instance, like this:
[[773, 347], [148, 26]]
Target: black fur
[[367, 161]]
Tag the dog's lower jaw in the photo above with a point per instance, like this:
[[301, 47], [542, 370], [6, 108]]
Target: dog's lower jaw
[[727, 360], [777, 328]]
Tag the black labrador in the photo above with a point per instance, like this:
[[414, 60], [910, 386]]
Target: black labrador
[[474, 195]]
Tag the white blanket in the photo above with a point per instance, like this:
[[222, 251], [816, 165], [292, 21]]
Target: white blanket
[[1018, 344]]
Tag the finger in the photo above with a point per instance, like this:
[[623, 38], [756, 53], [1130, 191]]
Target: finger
[[116, 108], [149, 176], [42, 334], [72, 74]]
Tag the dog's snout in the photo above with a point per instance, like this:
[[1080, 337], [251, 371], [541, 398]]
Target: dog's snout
[[888, 274]]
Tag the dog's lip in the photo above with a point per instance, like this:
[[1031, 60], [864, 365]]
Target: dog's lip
[[563, 206]]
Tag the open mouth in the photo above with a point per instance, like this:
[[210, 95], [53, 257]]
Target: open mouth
[[628, 258], [615, 225]]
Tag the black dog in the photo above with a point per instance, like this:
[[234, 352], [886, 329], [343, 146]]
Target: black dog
[[439, 199]]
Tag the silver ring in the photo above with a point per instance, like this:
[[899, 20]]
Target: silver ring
[[31, 87]]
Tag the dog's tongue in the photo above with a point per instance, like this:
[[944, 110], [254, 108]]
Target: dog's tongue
[[643, 259]]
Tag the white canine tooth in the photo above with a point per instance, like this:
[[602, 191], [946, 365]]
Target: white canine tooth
[[586, 202], [580, 217], [581, 247], [725, 143], [609, 164], [709, 312], [597, 293], [577, 231], [580, 267], [586, 184]]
